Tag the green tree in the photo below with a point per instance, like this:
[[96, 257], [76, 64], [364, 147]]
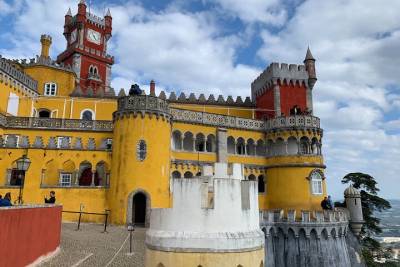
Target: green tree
[[371, 203]]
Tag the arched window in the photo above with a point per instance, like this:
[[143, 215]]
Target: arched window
[[304, 149], [315, 146], [240, 146], [177, 140], [260, 149], [176, 174], [188, 175], [200, 142], [279, 147], [261, 184], [250, 147], [292, 146], [44, 113], [188, 141], [231, 145], [141, 150], [316, 182], [210, 144], [252, 177], [87, 115], [50, 89]]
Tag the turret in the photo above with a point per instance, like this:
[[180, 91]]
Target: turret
[[309, 62], [45, 40], [81, 17], [67, 21], [353, 203], [141, 159], [108, 24]]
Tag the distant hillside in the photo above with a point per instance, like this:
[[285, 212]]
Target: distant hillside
[[390, 220]]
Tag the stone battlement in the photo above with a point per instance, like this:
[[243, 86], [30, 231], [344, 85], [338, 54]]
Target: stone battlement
[[201, 99], [212, 213], [283, 72], [8, 69]]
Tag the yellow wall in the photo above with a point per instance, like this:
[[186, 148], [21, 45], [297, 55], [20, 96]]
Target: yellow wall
[[7, 87], [174, 259], [130, 174], [65, 80]]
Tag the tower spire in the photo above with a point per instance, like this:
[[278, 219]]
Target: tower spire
[[108, 14], [309, 56], [69, 13]]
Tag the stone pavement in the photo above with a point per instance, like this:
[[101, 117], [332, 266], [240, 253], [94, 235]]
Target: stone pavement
[[90, 247]]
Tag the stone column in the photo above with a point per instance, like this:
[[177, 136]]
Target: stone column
[[76, 174], [286, 147], [42, 176], [222, 146], [194, 144], [277, 100], [93, 176], [309, 100], [181, 143]]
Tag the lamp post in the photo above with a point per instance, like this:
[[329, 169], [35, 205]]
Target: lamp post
[[130, 229], [22, 166]]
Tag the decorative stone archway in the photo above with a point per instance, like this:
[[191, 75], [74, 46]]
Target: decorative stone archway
[[130, 213]]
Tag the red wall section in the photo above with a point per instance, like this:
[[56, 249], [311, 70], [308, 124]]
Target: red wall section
[[26, 233], [265, 101], [292, 95]]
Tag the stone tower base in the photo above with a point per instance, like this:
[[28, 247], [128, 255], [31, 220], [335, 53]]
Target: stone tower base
[[184, 259]]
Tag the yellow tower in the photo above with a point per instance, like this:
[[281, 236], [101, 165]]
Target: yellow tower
[[141, 158], [45, 40]]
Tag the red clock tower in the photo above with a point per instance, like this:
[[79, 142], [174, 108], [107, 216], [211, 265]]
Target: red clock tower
[[87, 36]]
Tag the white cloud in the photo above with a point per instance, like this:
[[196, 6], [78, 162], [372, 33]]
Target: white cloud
[[265, 11], [183, 51]]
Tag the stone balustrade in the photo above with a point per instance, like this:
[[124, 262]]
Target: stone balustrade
[[61, 124], [143, 104]]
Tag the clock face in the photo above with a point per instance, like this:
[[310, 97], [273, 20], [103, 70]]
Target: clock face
[[93, 36], [74, 35]]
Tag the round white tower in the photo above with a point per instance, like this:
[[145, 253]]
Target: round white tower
[[353, 203]]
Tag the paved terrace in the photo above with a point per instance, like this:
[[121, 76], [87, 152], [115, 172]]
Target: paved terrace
[[90, 247]]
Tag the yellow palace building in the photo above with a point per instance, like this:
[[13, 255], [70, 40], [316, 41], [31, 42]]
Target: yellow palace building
[[101, 151]]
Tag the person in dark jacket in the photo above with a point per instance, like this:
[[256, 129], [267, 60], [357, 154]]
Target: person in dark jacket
[[51, 199], [6, 201], [325, 204]]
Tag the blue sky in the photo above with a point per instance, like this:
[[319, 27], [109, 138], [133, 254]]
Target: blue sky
[[220, 46]]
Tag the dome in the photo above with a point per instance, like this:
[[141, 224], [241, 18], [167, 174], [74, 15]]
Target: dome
[[351, 192]]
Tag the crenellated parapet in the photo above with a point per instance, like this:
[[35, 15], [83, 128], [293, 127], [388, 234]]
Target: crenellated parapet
[[283, 73], [10, 74], [210, 100], [142, 104]]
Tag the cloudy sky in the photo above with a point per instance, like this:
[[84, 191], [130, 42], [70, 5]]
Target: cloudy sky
[[220, 46]]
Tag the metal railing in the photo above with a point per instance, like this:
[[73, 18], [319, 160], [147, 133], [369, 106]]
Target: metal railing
[[105, 214]]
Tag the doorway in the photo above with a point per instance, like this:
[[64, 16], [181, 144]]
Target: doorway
[[139, 207]]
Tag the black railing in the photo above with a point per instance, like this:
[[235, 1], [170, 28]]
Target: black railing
[[105, 214]]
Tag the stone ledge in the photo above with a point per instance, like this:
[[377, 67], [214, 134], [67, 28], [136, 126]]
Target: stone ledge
[[172, 241]]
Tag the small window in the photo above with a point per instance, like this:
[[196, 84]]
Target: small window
[[65, 179], [316, 183], [141, 150], [50, 89], [16, 177], [87, 115]]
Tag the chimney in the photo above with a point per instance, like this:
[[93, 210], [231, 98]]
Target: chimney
[[152, 88], [45, 40]]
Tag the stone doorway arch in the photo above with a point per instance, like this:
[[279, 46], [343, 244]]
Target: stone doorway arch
[[139, 206]]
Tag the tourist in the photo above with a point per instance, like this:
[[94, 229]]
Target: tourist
[[331, 205], [52, 198], [325, 204], [6, 201]]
